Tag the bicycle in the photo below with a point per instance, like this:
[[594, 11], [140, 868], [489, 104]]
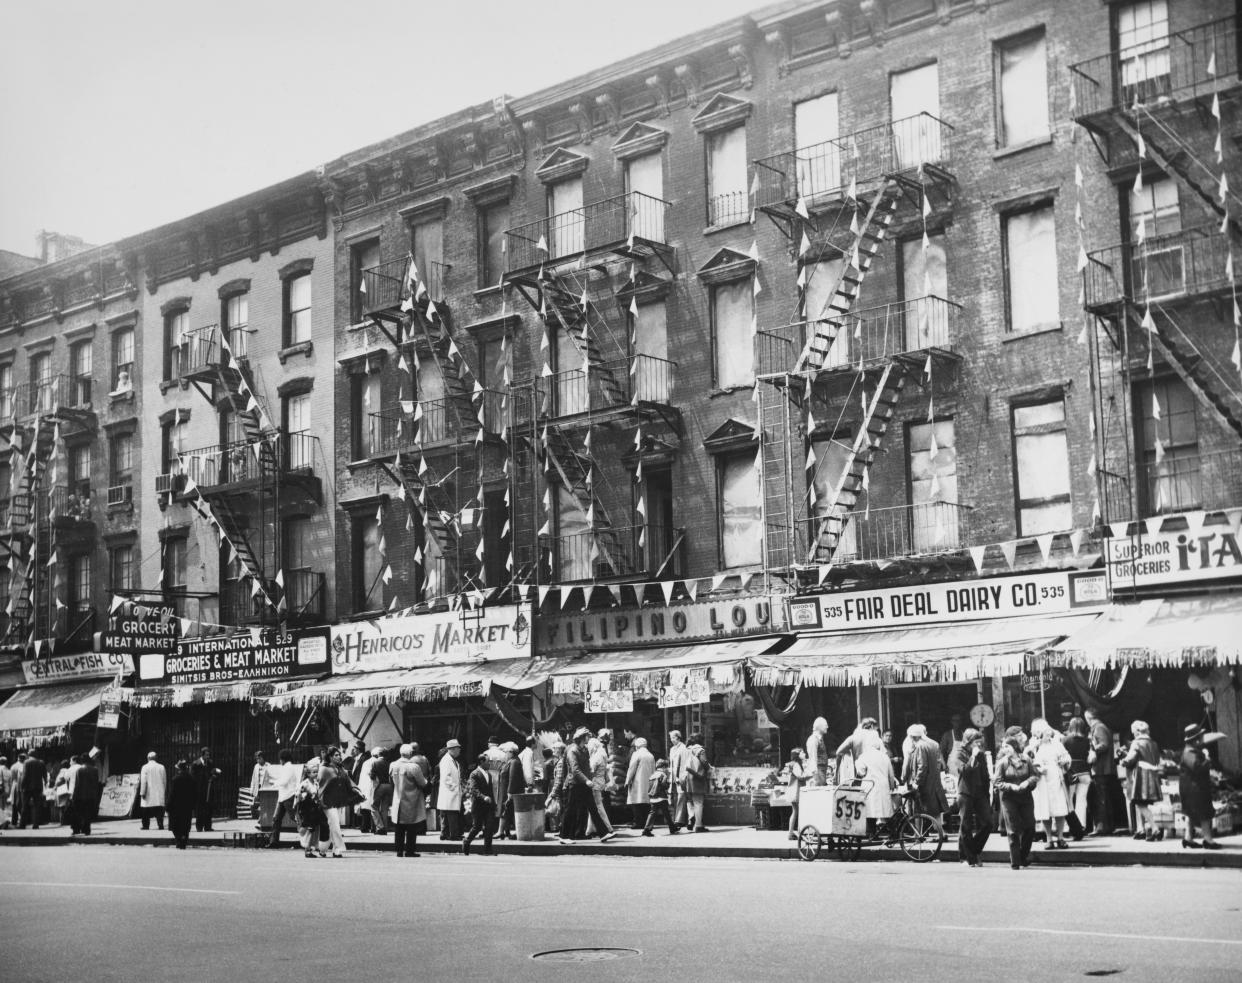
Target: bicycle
[[919, 834]]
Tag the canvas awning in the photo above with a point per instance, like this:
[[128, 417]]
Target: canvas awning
[[646, 670], [49, 711], [417, 685], [1175, 631], [964, 651]]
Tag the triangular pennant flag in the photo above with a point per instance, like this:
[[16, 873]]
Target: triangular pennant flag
[[666, 586], [976, 554], [1010, 550], [1076, 538], [1117, 530], [1045, 544], [1194, 520]]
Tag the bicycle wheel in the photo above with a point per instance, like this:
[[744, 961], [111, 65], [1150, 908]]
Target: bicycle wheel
[[922, 836], [808, 843], [845, 848]]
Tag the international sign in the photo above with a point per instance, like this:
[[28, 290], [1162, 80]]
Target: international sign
[[78, 666], [1209, 553], [254, 654], [444, 638], [966, 600]]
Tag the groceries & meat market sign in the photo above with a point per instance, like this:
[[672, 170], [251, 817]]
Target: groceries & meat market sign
[[259, 653]]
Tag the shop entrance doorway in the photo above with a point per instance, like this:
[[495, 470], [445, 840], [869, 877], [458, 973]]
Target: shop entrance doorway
[[930, 704]]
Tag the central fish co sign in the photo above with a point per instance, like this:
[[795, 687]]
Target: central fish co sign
[[627, 627]]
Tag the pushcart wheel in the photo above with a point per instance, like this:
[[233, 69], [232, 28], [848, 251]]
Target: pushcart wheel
[[844, 848], [808, 843], [922, 836]]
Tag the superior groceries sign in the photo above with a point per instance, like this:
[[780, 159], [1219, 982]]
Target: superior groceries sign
[[448, 637], [1207, 553], [969, 600]]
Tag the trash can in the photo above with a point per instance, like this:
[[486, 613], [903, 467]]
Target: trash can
[[528, 812]]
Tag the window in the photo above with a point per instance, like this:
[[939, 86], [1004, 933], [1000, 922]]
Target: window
[[821, 285], [42, 394], [1172, 477], [651, 376], [428, 247], [297, 413], [914, 104], [741, 514], [1031, 270], [1021, 89], [732, 311], [301, 585], [658, 529], [363, 256], [493, 221], [297, 309], [79, 586], [1159, 262], [80, 360], [368, 588], [235, 316], [727, 192], [492, 378], [176, 327], [932, 463], [575, 540], [1041, 468], [123, 361], [818, 154], [365, 437], [1143, 45], [80, 471], [497, 538], [566, 220], [121, 475], [572, 383], [832, 457], [8, 408], [925, 290], [644, 180], [121, 562], [174, 548]]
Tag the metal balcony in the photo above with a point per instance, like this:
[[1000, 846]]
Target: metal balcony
[[1188, 263], [62, 396], [889, 533], [866, 337], [72, 506], [822, 174], [385, 286], [240, 463], [1157, 72], [616, 388], [1188, 481], [305, 594], [605, 554], [624, 224], [448, 420]]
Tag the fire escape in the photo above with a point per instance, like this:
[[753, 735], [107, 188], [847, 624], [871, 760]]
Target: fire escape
[[445, 444], [580, 270], [837, 203], [247, 483], [41, 516], [1159, 105]]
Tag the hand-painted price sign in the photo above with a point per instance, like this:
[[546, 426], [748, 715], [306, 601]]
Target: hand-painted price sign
[[849, 813]]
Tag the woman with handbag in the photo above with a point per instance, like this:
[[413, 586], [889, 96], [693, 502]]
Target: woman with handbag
[[1015, 780], [1051, 800], [336, 792], [1142, 763]]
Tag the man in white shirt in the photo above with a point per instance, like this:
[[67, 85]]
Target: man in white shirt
[[817, 753], [532, 762], [678, 754], [152, 790], [286, 776]]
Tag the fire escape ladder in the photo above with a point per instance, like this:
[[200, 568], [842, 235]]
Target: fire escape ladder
[[1179, 164], [235, 528], [574, 471], [577, 321], [829, 528], [1195, 371], [440, 515], [857, 263], [22, 589], [777, 430], [456, 388]]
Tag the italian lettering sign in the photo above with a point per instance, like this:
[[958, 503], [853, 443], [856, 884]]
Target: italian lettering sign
[[254, 654], [968, 600], [443, 638], [1208, 553], [626, 627], [77, 666]]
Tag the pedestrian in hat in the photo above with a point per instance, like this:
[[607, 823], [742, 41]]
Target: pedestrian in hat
[[579, 802], [182, 798], [1195, 788], [512, 782], [482, 805], [152, 791], [408, 813], [448, 799]]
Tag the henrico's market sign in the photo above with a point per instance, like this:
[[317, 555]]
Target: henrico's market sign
[[968, 600], [260, 653], [76, 666], [1208, 553], [621, 627], [442, 638]]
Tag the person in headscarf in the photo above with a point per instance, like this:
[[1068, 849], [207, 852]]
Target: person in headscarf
[[638, 781], [862, 756]]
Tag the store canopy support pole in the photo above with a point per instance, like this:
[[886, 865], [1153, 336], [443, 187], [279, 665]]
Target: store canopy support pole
[[1043, 711]]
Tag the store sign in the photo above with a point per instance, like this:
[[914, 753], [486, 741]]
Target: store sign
[[60, 667], [626, 627], [609, 701], [138, 628], [692, 691], [257, 653], [432, 639], [968, 600], [1209, 553], [109, 715], [119, 793]]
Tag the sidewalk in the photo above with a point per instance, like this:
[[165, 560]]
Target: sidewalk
[[721, 841]]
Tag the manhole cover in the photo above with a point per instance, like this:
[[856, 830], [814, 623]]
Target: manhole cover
[[592, 955]]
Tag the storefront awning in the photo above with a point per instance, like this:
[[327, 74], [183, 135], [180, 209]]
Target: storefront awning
[[647, 670], [49, 711], [924, 653], [1168, 632], [417, 685]]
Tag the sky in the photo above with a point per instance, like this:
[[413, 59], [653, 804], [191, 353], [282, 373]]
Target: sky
[[118, 117]]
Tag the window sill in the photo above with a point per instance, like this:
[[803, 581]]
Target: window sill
[[1002, 152], [168, 384], [484, 292], [729, 391], [124, 508], [306, 348], [358, 325], [1053, 329], [725, 226], [362, 462], [125, 396]]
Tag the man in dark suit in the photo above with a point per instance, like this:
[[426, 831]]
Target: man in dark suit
[[34, 778], [922, 771], [87, 790], [204, 773], [482, 806], [974, 798]]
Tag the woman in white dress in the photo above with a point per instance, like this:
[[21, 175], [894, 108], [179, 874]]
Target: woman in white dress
[[862, 755], [1052, 762]]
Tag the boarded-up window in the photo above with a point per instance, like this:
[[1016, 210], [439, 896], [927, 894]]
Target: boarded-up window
[[741, 515], [1021, 89], [574, 538], [727, 195], [932, 450], [1031, 270], [732, 335], [1042, 468]]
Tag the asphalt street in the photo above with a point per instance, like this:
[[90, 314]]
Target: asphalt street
[[138, 913]]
